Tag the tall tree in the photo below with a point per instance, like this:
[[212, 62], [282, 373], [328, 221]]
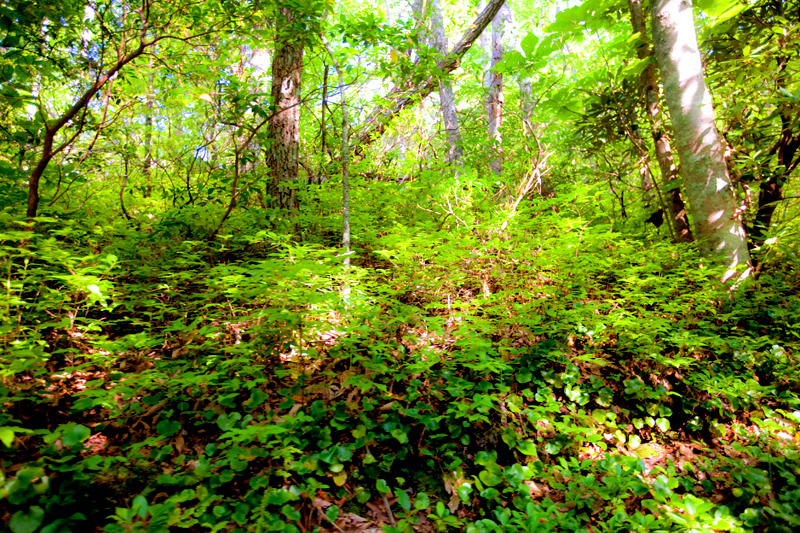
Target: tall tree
[[708, 184], [666, 163], [147, 164], [407, 91], [120, 33], [284, 126], [437, 38], [525, 82], [78, 112], [494, 87]]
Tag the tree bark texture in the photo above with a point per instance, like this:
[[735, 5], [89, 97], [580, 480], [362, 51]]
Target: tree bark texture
[[666, 163], [708, 185], [446, 97], [437, 39], [407, 91], [284, 127], [494, 88]]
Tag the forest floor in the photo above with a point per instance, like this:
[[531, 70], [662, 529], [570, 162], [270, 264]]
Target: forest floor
[[526, 380]]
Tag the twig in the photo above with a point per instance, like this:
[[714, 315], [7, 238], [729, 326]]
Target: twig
[[389, 511]]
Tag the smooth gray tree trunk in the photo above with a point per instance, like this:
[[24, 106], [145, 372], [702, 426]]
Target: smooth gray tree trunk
[[446, 96], [494, 87], [512, 40], [406, 91], [718, 226], [435, 37]]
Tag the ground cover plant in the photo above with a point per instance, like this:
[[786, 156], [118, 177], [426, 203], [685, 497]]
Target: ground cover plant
[[295, 267], [465, 383]]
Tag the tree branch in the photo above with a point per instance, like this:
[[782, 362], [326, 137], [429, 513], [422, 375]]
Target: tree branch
[[402, 95]]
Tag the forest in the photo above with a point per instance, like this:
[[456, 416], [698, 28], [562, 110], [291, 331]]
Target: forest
[[400, 266]]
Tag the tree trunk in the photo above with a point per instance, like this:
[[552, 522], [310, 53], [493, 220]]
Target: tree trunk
[[406, 91], [708, 185], [438, 40], [323, 175], [525, 83], [669, 171], [446, 97], [771, 189], [148, 135], [51, 129], [494, 88], [345, 160], [485, 38], [284, 127]]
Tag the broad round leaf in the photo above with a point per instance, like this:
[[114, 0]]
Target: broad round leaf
[[22, 522], [74, 435], [168, 428]]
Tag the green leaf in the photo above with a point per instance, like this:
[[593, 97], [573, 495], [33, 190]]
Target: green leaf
[[400, 435], [220, 511], [421, 501], [332, 513], [291, 513], [344, 453], [226, 422], [552, 447], [7, 436], [690, 504], [363, 496], [94, 289], [787, 93], [75, 434], [280, 497], [492, 475], [490, 494], [403, 498], [140, 506], [382, 486], [637, 67], [22, 522], [523, 376], [241, 513], [527, 447], [529, 44], [663, 424], [168, 428], [257, 397]]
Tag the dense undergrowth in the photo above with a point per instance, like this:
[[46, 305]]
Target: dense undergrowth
[[552, 376]]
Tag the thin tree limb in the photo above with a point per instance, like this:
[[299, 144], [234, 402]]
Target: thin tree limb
[[406, 91]]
